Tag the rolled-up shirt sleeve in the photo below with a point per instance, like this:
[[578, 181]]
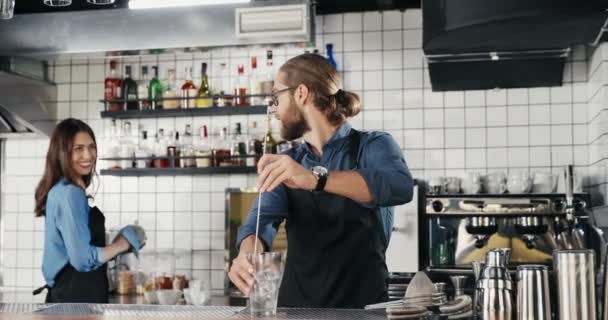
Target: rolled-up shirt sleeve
[[385, 171], [73, 224], [273, 211]]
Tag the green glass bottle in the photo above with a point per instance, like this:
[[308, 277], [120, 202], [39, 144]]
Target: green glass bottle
[[155, 90]]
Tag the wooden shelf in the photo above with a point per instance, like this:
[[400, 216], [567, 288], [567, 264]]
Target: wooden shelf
[[194, 112], [137, 172]]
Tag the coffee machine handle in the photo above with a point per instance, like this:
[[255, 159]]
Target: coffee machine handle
[[569, 185]]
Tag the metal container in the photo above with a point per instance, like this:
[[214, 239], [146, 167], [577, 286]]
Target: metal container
[[575, 275], [605, 305], [533, 299], [494, 299]]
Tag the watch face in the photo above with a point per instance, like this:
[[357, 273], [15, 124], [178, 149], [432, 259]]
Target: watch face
[[318, 170]]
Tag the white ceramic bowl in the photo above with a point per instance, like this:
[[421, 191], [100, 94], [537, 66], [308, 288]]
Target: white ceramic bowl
[[187, 296], [168, 297], [151, 297]]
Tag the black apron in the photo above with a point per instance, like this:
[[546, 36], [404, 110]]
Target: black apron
[[336, 250], [72, 286]]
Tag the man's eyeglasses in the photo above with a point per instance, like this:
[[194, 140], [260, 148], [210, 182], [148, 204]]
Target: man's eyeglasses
[[275, 96]]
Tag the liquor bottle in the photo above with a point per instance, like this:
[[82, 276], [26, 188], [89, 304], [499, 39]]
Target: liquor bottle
[[330, 55], [142, 151], [254, 145], [203, 94], [112, 87], [173, 150], [187, 149], [221, 150], [127, 147], [171, 92], [270, 144], [112, 149], [160, 150], [268, 81], [238, 147], [203, 149], [129, 91], [155, 90], [226, 97], [143, 88], [241, 89], [255, 83], [188, 91]]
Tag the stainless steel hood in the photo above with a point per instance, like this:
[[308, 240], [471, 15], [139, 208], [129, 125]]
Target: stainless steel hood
[[127, 29], [28, 101]]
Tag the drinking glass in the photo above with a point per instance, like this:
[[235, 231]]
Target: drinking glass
[[263, 298]]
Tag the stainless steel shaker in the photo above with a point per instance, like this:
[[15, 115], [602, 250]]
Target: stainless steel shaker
[[533, 299], [494, 297], [605, 305], [575, 273]]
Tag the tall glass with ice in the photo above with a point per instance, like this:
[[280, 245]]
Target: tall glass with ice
[[263, 297]]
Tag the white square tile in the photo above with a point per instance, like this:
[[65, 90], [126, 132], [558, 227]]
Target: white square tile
[[63, 92], [183, 201], [434, 159], [183, 184], [372, 21], [496, 97], [353, 22], [433, 138], [147, 184], [26, 203], [579, 93], [219, 183], [475, 98], [517, 115], [372, 100], [433, 99], [201, 220], [78, 92], [392, 118], [201, 184], [517, 96], [561, 114], [540, 135], [392, 40], [96, 73], [579, 71], [373, 120], [413, 119], [372, 41], [496, 116], [579, 134], [165, 184], [518, 157], [540, 114], [372, 60], [372, 80], [393, 79], [476, 138], [412, 78], [561, 134], [353, 61], [413, 58], [540, 156], [475, 117], [433, 118], [518, 136], [454, 158], [79, 73], [129, 184], [497, 137], [332, 23], [539, 95], [454, 99], [353, 80], [412, 38], [561, 156], [391, 20], [333, 38], [414, 160], [561, 94], [414, 139], [164, 239], [581, 155], [454, 138], [497, 158], [164, 202], [454, 118], [62, 74], [412, 98], [392, 59], [184, 241], [10, 221], [353, 42], [25, 240], [393, 99], [412, 19], [218, 220], [26, 222]]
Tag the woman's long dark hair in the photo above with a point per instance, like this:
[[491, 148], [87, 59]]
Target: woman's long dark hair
[[59, 160]]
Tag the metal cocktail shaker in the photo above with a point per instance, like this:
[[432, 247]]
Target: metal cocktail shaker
[[575, 273], [533, 299], [494, 298]]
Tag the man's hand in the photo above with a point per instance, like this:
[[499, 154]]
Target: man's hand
[[241, 273], [275, 169]]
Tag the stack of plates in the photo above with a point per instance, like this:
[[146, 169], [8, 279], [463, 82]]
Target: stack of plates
[[396, 291], [407, 312], [460, 308]]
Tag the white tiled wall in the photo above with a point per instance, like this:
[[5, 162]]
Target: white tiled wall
[[380, 58], [597, 119]]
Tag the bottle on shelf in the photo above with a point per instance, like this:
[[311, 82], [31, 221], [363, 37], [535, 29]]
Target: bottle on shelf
[[143, 151], [330, 55], [238, 147], [203, 94], [268, 80], [188, 90], [173, 150], [129, 91], [112, 89], [270, 143], [171, 92], [226, 98], [203, 150], [255, 83], [127, 146], [221, 150], [241, 87], [112, 149], [143, 88], [187, 149], [155, 91], [254, 145], [160, 150]]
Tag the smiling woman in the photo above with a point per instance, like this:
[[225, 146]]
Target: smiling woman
[[75, 251]]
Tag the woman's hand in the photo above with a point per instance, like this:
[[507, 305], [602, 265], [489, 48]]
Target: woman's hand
[[275, 169]]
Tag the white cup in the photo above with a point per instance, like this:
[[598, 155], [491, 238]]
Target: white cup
[[544, 182]]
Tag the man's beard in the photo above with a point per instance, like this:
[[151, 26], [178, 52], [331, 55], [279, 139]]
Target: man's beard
[[294, 124]]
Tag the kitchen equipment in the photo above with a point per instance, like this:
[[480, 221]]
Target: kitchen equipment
[[458, 282], [495, 183], [7, 8], [605, 275], [472, 183], [437, 185], [533, 299], [530, 228], [543, 182], [575, 277], [420, 291], [494, 287], [481, 228], [452, 185], [519, 182]]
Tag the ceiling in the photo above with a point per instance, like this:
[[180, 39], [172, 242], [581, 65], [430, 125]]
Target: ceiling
[[323, 6]]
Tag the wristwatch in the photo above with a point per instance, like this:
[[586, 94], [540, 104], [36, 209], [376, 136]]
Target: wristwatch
[[321, 174]]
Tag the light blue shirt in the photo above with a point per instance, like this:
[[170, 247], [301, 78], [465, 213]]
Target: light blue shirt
[[381, 164], [67, 238]]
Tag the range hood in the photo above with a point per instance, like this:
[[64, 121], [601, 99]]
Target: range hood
[[124, 29], [485, 44], [28, 101]]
